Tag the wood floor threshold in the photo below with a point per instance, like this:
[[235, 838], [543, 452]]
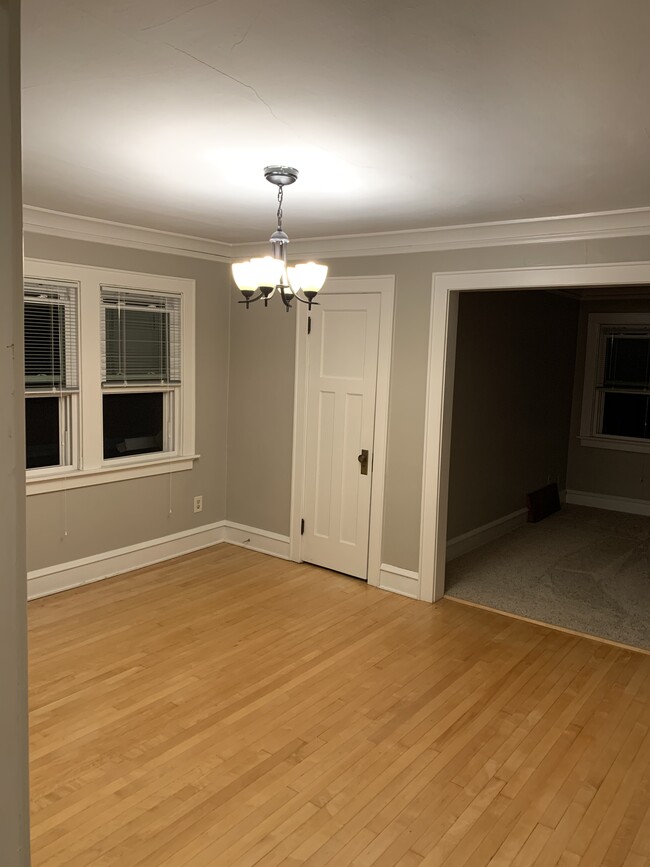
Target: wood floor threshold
[[544, 623]]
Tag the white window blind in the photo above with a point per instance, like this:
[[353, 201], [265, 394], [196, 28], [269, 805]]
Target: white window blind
[[51, 345], [140, 337]]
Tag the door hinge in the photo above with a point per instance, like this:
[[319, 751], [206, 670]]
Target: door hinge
[[302, 526], [309, 325]]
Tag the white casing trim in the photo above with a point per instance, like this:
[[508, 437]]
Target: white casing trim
[[440, 382], [619, 445], [65, 576], [480, 536], [571, 227], [400, 581], [606, 501], [108, 474]]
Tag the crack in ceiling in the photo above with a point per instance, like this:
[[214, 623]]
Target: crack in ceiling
[[399, 117], [180, 15], [251, 23]]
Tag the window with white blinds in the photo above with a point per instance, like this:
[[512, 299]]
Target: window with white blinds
[[140, 338], [51, 344], [109, 375]]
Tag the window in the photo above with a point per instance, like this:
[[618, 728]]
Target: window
[[616, 401], [51, 372], [109, 375], [141, 371]]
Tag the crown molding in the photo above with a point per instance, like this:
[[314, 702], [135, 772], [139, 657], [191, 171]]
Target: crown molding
[[45, 222], [542, 230]]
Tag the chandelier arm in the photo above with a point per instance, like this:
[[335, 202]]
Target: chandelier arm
[[251, 300], [286, 298], [309, 303]]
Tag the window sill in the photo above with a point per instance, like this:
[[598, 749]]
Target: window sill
[[621, 445], [108, 474]]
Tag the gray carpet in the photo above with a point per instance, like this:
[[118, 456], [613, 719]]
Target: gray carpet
[[584, 569]]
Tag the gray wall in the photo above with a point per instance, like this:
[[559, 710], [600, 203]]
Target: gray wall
[[14, 806], [109, 516], [260, 413], [515, 357], [267, 506], [244, 423], [604, 471]]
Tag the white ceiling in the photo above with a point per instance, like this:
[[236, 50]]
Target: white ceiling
[[399, 114]]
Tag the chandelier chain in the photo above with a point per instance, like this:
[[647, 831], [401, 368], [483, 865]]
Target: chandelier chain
[[280, 197]]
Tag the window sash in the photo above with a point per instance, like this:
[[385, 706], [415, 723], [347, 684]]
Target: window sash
[[170, 415], [51, 336], [631, 381], [140, 338], [624, 361], [66, 423], [641, 423]]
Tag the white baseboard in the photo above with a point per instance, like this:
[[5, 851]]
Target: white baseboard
[[257, 540], [400, 581], [75, 573], [605, 501], [64, 576], [460, 545]]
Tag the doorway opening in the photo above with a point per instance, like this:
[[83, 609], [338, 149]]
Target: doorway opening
[[615, 280], [516, 428]]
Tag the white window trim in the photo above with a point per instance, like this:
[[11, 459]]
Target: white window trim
[[588, 416], [89, 467]]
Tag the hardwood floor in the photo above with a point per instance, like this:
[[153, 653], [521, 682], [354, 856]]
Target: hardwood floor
[[229, 708]]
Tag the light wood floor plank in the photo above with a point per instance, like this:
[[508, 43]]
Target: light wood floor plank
[[228, 709]]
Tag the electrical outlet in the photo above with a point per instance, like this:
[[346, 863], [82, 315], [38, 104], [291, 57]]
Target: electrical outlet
[[198, 504]]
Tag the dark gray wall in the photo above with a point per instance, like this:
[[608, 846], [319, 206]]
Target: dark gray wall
[[515, 355], [14, 805]]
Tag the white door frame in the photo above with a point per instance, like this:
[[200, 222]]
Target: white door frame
[[440, 383], [384, 286]]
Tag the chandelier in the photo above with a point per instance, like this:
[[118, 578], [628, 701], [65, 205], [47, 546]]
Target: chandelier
[[266, 274]]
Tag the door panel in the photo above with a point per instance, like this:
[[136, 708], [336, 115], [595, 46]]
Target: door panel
[[341, 389], [324, 467]]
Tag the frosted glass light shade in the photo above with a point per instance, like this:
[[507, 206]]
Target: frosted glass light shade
[[269, 271], [244, 276], [308, 276], [262, 271]]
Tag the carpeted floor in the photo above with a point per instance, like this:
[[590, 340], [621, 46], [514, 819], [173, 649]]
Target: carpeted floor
[[584, 569]]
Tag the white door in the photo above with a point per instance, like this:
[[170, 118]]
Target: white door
[[341, 387]]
